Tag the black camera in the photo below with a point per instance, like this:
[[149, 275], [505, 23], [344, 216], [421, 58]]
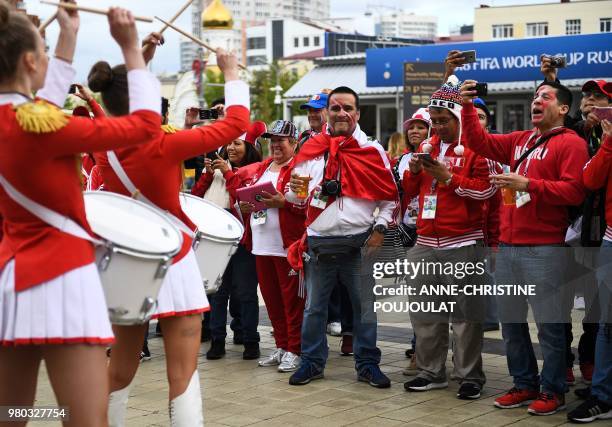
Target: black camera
[[331, 187], [482, 89], [73, 89], [557, 61], [212, 114]]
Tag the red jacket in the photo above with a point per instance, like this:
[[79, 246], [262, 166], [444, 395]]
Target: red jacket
[[555, 171], [155, 168], [291, 217], [459, 213], [42, 252], [597, 174]]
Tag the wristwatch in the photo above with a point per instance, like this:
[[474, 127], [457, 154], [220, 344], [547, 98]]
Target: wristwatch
[[379, 228]]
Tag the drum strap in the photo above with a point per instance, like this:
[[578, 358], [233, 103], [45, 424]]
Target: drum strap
[[136, 194], [54, 219]]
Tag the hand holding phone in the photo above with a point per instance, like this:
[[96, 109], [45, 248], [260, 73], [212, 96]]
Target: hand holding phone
[[468, 56], [425, 158], [603, 113]]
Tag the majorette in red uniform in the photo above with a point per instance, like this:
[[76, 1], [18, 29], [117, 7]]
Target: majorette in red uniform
[[92, 177], [156, 172], [51, 300]]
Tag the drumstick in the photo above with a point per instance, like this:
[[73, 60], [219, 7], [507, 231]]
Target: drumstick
[[179, 13], [193, 38], [48, 22], [71, 6]]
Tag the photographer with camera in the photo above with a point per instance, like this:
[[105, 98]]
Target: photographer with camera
[[547, 167], [341, 177]]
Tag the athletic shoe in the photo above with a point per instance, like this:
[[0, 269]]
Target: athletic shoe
[[411, 369], [587, 372], [547, 404], [273, 358], [409, 353], [468, 391], [145, 354], [515, 398], [591, 410], [251, 351], [289, 362], [421, 384], [346, 345], [334, 329], [569, 377], [305, 373], [372, 375], [217, 350]]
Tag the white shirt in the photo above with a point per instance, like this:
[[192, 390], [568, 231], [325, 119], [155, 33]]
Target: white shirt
[[267, 238], [412, 210], [347, 215]]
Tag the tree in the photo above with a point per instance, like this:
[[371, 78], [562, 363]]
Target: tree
[[262, 95]]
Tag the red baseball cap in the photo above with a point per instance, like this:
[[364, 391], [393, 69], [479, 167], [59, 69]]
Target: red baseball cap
[[255, 130], [600, 85]]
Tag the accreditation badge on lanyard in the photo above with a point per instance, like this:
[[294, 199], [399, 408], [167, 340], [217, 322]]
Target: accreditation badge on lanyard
[[523, 197], [260, 217], [430, 203]]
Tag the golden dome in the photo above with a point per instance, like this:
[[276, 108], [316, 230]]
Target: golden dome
[[217, 17]]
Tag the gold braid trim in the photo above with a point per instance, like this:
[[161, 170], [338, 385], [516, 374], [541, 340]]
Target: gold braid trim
[[170, 129], [40, 117]]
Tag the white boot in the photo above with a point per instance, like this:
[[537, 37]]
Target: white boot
[[117, 405], [186, 409]]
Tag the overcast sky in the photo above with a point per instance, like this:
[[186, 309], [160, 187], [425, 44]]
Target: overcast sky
[[95, 42]]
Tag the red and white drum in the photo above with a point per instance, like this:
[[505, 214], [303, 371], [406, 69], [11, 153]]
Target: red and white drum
[[141, 242], [217, 238]]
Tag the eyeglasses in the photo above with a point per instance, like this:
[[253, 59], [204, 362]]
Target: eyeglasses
[[595, 94]]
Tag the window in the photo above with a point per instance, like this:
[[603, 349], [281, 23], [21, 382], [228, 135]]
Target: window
[[572, 26], [317, 41], [257, 60], [306, 42], [605, 25], [537, 29], [503, 31], [296, 42], [256, 43]]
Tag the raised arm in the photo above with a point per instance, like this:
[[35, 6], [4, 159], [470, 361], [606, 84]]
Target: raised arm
[[599, 170]]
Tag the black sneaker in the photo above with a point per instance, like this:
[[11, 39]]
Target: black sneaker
[[251, 351], [591, 410], [305, 373], [409, 353], [583, 393], [217, 350], [145, 354], [373, 375], [421, 384], [205, 335], [468, 391]]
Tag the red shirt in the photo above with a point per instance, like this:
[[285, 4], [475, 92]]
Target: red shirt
[[45, 168], [555, 179], [156, 168], [598, 173], [459, 204]]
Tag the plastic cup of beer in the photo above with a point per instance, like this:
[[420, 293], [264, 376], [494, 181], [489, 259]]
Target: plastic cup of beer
[[303, 192], [508, 196]]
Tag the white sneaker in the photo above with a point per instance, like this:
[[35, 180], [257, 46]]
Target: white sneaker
[[334, 329], [579, 303], [290, 362], [273, 359]]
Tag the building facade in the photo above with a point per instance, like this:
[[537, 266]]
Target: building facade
[[407, 25], [541, 20]]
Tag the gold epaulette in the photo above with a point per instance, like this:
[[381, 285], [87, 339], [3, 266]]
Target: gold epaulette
[[170, 129], [40, 117]]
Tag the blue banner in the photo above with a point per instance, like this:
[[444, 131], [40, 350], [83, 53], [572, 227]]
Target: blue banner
[[587, 56]]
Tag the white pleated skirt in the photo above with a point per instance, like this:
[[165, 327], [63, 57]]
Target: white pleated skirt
[[69, 309], [182, 292]]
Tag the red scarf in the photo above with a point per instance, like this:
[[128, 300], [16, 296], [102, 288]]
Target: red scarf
[[363, 172]]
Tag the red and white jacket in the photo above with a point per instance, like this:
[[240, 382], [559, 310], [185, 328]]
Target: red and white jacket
[[291, 217], [597, 174], [555, 179], [458, 216], [155, 168], [42, 252]]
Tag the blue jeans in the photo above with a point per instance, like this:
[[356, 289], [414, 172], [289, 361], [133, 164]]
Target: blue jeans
[[541, 266], [322, 274], [602, 376], [239, 281], [340, 309]]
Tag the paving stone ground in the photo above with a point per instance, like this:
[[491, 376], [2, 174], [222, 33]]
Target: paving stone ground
[[239, 393]]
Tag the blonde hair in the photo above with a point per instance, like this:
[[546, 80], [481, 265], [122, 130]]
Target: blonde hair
[[397, 145]]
